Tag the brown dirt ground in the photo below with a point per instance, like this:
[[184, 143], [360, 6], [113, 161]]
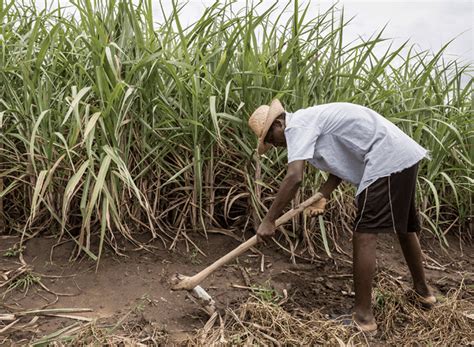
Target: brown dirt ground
[[137, 283]]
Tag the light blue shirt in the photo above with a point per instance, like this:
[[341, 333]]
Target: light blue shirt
[[350, 141]]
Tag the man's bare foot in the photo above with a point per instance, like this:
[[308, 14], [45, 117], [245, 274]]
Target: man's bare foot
[[366, 324], [425, 296], [426, 301], [349, 320]]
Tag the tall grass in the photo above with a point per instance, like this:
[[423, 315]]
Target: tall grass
[[113, 124]]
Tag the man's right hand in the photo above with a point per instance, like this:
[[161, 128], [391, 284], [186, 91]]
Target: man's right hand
[[265, 231]]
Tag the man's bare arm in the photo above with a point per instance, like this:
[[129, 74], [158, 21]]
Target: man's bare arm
[[331, 183], [288, 188]]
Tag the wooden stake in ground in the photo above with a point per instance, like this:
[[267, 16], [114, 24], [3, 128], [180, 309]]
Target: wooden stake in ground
[[181, 282]]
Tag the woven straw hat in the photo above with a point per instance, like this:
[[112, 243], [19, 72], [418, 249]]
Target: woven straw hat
[[261, 120]]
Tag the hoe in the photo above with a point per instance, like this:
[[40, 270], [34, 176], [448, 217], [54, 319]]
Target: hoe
[[191, 284]]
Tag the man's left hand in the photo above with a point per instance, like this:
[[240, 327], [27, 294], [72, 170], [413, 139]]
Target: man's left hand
[[316, 208]]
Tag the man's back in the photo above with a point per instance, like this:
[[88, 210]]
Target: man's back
[[350, 141]]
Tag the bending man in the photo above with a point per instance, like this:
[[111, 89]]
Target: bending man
[[358, 145]]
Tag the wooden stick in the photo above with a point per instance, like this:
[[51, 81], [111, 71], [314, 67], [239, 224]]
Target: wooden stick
[[70, 316], [52, 311], [188, 283]]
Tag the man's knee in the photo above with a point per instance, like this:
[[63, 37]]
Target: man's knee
[[364, 236], [364, 241]]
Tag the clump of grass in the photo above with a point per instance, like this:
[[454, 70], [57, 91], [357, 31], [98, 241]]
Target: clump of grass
[[266, 293], [261, 322], [404, 319], [22, 283], [14, 251], [112, 124], [128, 331], [194, 257]]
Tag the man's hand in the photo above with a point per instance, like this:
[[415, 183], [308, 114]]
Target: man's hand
[[316, 208], [265, 231]]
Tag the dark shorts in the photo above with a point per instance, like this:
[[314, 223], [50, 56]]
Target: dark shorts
[[388, 204]]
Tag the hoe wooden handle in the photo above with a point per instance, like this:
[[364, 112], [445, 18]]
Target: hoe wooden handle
[[189, 283]]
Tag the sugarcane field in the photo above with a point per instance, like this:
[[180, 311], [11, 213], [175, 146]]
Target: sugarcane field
[[236, 173]]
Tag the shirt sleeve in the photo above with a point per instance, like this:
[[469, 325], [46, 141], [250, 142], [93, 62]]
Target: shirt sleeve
[[300, 142]]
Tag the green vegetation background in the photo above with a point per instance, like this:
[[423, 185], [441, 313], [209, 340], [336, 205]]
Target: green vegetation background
[[113, 124]]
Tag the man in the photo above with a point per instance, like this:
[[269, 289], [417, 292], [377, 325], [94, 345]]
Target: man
[[358, 145]]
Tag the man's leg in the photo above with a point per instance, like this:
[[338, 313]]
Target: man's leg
[[364, 247], [412, 253]]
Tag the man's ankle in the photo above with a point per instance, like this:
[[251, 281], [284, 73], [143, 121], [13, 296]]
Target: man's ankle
[[423, 290], [364, 317]]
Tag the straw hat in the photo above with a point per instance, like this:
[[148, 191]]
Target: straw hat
[[261, 120]]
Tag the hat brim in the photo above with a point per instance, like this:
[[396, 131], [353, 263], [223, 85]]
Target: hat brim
[[276, 109]]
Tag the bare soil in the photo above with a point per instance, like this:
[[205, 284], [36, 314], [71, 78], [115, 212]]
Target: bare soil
[[133, 292]]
